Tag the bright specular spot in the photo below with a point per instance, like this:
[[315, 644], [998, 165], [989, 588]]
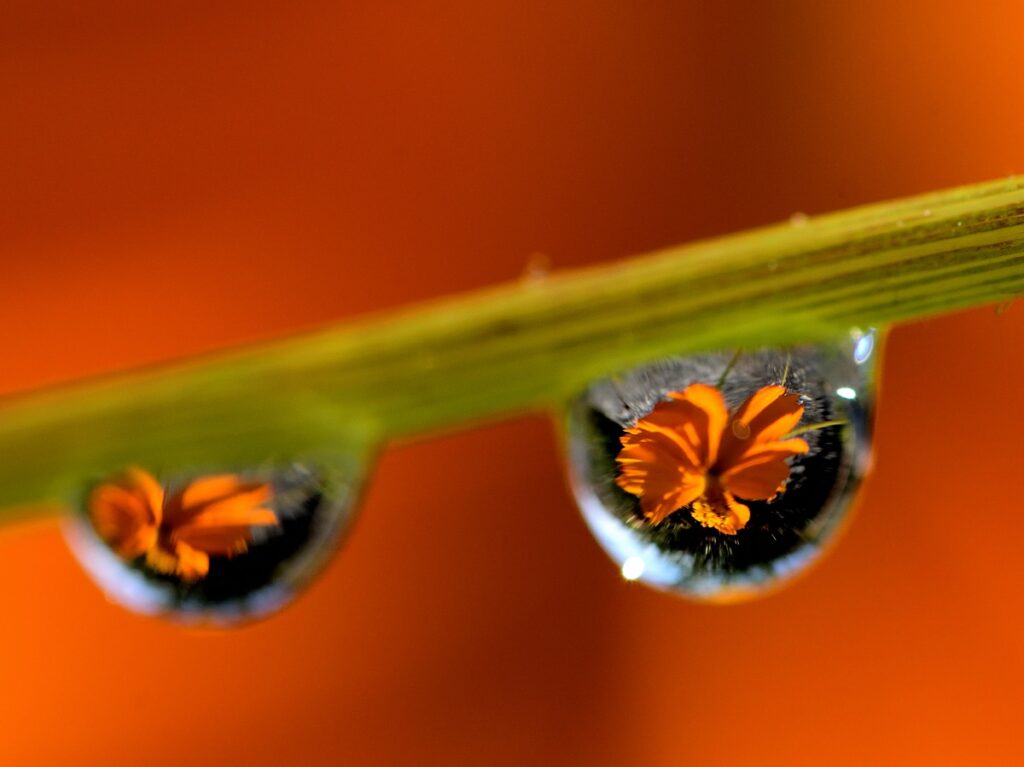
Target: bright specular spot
[[863, 348], [632, 568], [846, 392]]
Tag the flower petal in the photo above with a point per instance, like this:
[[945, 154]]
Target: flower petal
[[207, 491], [662, 425], [644, 461], [145, 483], [224, 528], [126, 512], [763, 470], [739, 513], [706, 419], [770, 412], [649, 468], [765, 416], [213, 488], [658, 503]]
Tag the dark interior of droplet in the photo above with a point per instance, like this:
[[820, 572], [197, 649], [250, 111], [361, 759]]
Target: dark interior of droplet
[[776, 528]]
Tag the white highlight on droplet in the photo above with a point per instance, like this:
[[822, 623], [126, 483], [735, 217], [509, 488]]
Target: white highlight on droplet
[[632, 568], [863, 348], [846, 392]]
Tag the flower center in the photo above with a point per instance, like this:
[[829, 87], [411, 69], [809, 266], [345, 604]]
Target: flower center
[[717, 509]]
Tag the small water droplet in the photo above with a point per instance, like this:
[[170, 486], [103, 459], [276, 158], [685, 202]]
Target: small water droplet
[[782, 535], [216, 547], [537, 268], [1004, 307], [799, 219]]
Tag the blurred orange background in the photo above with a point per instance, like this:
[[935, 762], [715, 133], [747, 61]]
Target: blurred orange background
[[177, 177]]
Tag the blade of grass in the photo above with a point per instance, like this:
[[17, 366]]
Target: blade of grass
[[347, 389]]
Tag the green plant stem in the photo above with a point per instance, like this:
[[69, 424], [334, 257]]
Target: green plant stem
[[524, 346]]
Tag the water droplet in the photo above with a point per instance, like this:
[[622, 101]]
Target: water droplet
[[1004, 307], [799, 219], [537, 268], [224, 547], [782, 535]]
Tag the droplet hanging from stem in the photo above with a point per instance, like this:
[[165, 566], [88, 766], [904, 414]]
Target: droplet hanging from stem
[[721, 475]]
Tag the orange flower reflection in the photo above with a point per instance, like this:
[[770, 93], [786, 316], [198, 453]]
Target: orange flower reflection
[[212, 516], [691, 452]]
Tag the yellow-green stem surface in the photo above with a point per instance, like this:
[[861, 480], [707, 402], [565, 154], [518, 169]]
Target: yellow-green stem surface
[[351, 388]]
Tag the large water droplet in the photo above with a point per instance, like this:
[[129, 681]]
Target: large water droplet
[[226, 545], [684, 551]]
